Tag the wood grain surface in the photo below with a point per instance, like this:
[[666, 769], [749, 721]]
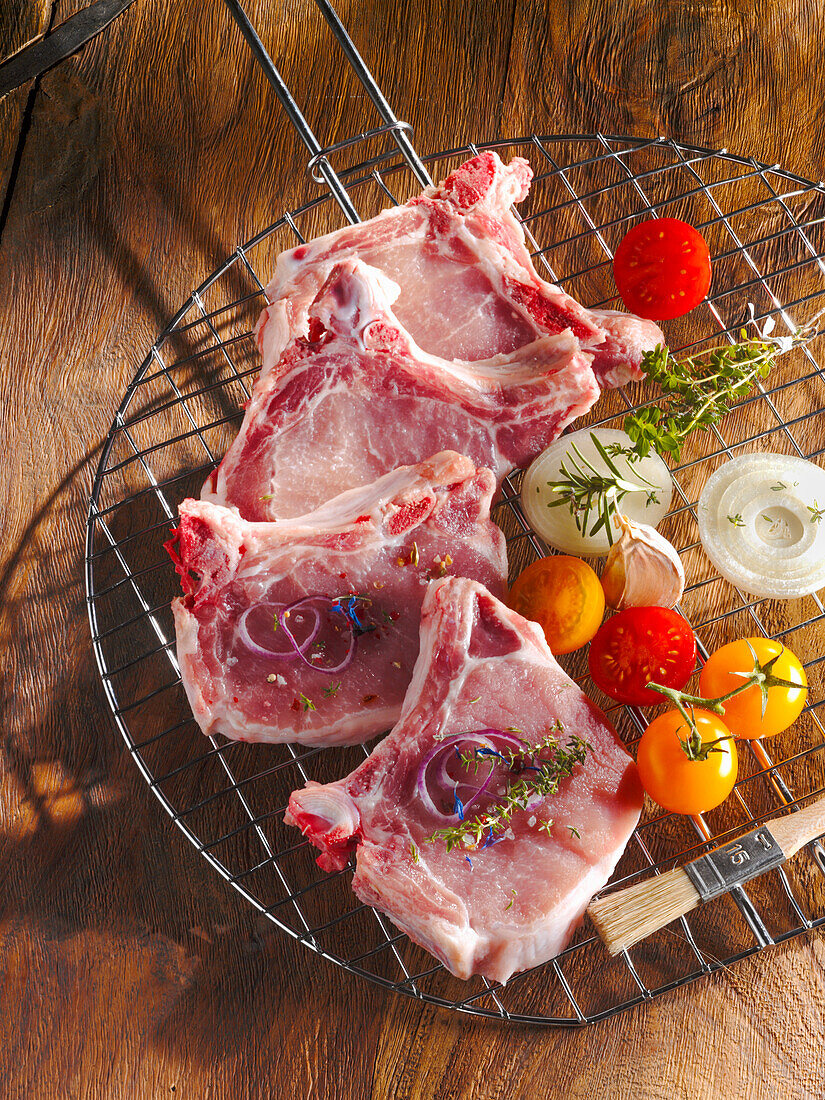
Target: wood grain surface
[[128, 173]]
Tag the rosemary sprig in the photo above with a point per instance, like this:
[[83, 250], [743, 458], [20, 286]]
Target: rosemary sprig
[[534, 774], [700, 390], [585, 489]]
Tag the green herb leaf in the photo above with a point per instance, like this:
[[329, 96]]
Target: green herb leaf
[[589, 492], [700, 390], [532, 773]]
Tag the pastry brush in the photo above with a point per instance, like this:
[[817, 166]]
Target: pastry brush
[[627, 916]]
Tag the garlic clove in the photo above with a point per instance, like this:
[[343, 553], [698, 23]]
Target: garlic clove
[[643, 569]]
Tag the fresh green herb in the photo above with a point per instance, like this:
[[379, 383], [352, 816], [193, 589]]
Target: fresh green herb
[[736, 520], [306, 703], [414, 851], [546, 826], [700, 390], [574, 832], [533, 774], [816, 512], [332, 690], [509, 905], [414, 555], [476, 700], [586, 490], [780, 485], [616, 450]]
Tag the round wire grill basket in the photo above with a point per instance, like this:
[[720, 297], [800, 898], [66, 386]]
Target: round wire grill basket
[[765, 231]]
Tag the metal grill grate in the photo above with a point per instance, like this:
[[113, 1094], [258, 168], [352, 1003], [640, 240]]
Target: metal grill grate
[[765, 228]]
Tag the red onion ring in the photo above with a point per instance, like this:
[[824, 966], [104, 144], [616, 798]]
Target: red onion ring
[[330, 670], [262, 651], [478, 738]]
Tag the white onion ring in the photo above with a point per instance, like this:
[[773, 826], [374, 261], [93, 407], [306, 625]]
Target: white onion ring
[[557, 525], [757, 527]]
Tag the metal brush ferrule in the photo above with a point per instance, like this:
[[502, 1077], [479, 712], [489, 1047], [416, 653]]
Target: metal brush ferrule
[[734, 864]]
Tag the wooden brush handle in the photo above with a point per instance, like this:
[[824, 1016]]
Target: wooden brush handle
[[793, 831]]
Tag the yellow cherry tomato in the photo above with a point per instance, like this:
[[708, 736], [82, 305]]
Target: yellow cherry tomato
[[564, 596], [677, 783], [727, 668]]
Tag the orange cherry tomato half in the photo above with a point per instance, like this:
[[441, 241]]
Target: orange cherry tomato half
[[662, 268], [677, 783], [564, 596], [727, 667]]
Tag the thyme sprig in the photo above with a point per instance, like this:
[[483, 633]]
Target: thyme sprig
[[761, 676], [700, 390], [534, 774], [585, 489]]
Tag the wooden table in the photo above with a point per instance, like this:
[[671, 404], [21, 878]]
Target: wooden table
[[126, 174]]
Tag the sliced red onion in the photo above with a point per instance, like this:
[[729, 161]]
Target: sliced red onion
[[300, 650], [443, 781], [263, 651]]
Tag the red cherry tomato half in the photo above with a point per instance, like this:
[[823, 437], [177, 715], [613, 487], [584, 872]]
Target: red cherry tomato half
[[640, 645], [662, 268]]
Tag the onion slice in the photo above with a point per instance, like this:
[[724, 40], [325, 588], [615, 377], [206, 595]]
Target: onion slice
[[759, 527], [292, 643], [296, 647], [308, 601], [555, 522], [433, 770]]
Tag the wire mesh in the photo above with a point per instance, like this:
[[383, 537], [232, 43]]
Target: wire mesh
[[183, 407]]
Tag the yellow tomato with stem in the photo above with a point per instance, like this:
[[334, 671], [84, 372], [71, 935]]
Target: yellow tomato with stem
[[728, 667], [564, 596], [672, 778]]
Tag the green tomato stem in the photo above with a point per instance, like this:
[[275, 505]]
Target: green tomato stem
[[761, 677]]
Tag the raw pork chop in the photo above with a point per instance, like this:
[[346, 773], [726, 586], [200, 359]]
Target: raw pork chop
[[468, 286], [496, 908], [383, 542], [359, 397]]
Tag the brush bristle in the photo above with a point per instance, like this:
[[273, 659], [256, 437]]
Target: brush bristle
[[630, 915]]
